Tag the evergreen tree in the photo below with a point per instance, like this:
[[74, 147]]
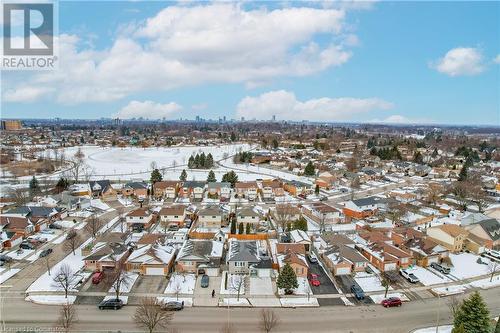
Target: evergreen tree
[[240, 228], [211, 177], [418, 158], [183, 176], [459, 329], [203, 160], [287, 279], [209, 162], [309, 169], [316, 190], [233, 226], [463, 173], [473, 315], [191, 162], [275, 143], [230, 177], [156, 176], [300, 224], [248, 228], [34, 186], [197, 161], [62, 184], [233, 136]]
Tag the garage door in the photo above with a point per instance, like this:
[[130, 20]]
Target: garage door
[[154, 270], [390, 267], [343, 271], [433, 259]]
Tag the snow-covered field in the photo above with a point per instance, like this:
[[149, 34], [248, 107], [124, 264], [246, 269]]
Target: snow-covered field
[[183, 284], [234, 282], [369, 282], [377, 299], [465, 265], [50, 299], [261, 286]]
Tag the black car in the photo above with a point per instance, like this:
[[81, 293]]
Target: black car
[[114, 304], [5, 258], [45, 253], [358, 292], [173, 306], [26, 246], [204, 281], [54, 226]]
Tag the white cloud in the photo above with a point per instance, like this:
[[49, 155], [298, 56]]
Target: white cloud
[[25, 94], [399, 119], [192, 45], [461, 61], [148, 110], [285, 106]]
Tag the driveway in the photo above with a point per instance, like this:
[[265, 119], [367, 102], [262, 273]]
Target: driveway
[[345, 282], [326, 285], [150, 284]]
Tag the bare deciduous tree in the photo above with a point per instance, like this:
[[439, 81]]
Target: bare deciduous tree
[[119, 277], [453, 303], [493, 268], [121, 218], [67, 317], [237, 284], [283, 216], [150, 316], [94, 224], [268, 320], [78, 163], [65, 279], [72, 241]]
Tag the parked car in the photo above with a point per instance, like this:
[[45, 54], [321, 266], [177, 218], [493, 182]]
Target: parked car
[[97, 277], [440, 268], [391, 301], [26, 246], [313, 279], [358, 292], [409, 276], [45, 253], [54, 226], [111, 304], [5, 258], [312, 259], [47, 232], [173, 306], [204, 281], [37, 239], [173, 227]]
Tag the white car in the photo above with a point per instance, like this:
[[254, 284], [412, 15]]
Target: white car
[[409, 276]]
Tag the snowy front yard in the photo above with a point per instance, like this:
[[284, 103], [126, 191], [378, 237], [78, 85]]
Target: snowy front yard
[[465, 265], [426, 277], [6, 274], [234, 283], [181, 284], [303, 288], [369, 282]]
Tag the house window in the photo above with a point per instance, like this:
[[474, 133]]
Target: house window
[[140, 218]]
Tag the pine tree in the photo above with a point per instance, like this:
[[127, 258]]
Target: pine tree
[[197, 161], [300, 224], [191, 162], [287, 279], [156, 176], [209, 162], [230, 177], [240, 228], [203, 160], [248, 228], [211, 177], [459, 329], [473, 315], [34, 186], [233, 226], [309, 169], [183, 176], [316, 190]]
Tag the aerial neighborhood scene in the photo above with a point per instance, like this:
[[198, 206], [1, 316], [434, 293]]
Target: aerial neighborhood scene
[[250, 167]]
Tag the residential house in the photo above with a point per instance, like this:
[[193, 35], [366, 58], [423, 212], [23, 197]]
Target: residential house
[[151, 259], [165, 190], [271, 189], [193, 190], [172, 215], [301, 237], [344, 259], [488, 229], [246, 190], [139, 218], [326, 180], [293, 254], [450, 236], [21, 226], [364, 207], [219, 190], [248, 216], [200, 257], [322, 213], [105, 255], [102, 189], [138, 190], [297, 188], [241, 256], [210, 217]]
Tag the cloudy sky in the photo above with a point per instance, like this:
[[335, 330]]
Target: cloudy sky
[[397, 62]]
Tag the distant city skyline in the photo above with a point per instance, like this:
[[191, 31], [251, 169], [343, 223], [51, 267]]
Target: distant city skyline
[[380, 62]]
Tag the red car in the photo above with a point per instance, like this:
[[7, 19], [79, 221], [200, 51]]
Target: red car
[[98, 277], [391, 301], [313, 279]]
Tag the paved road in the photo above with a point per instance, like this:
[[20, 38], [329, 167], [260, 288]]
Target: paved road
[[373, 318]]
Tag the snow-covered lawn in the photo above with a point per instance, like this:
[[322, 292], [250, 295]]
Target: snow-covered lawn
[[234, 282], [465, 265], [66, 224], [369, 282], [182, 284], [97, 203], [441, 329], [261, 286], [188, 301], [235, 302], [50, 299], [125, 288], [299, 302], [486, 283], [126, 202], [377, 299], [450, 290], [6, 274], [426, 277]]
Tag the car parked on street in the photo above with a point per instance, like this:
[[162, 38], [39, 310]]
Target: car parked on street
[[173, 306], [26, 246], [391, 301], [440, 268], [358, 292], [409, 276], [54, 226], [5, 258], [114, 304], [313, 279], [45, 253], [205, 281]]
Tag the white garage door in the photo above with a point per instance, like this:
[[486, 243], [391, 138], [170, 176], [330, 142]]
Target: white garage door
[[433, 259], [390, 267], [154, 270], [343, 271]]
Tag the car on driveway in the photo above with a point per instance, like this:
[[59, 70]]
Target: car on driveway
[[173, 306], [26, 246], [314, 279], [204, 281], [358, 292], [45, 253], [114, 304], [391, 301], [5, 258], [97, 277], [312, 259], [440, 268], [409, 276], [47, 232]]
